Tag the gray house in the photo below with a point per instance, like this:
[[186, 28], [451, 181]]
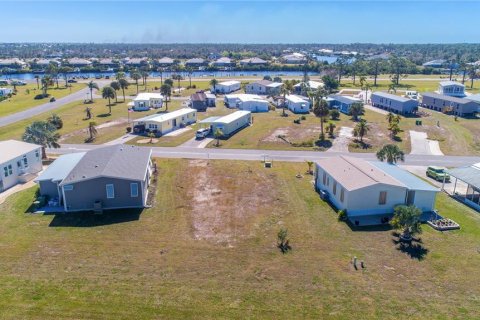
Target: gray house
[[446, 104], [394, 103], [112, 177]]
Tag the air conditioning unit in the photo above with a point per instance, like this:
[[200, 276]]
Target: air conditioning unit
[[323, 195]]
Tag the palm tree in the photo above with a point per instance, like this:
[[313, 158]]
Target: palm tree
[[310, 166], [92, 131], [37, 77], [124, 85], [214, 83], [365, 86], [321, 111], [151, 135], [190, 72], [407, 219], [160, 71], [88, 112], [391, 153], [166, 91], [108, 93], [135, 75], [145, 75], [56, 121], [356, 109], [65, 70], [116, 86], [330, 128], [361, 129], [45, 83], [284, 92], [42, 133], [218, 134], [390, 117], [119, 75], [394, 129], [92, 85]]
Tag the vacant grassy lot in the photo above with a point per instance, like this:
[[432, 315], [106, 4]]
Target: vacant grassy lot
[[151, 85], [207, 249], [24, 99]]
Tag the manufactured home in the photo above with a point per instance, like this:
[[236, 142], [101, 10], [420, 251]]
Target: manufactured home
[[297, 104], [113, 177], [369, 191], [5, 92], [247, 102], [202, 100], [226, 87], [229, 124], [264, 87], [19, 162], [394, 103], [342, 103], [451, 105], [145, 101], [163, 123], [451, 88], [303, 87]]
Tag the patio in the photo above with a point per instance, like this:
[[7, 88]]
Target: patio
[[466, 186]]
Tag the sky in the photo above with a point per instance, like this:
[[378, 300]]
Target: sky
[[227, 21]]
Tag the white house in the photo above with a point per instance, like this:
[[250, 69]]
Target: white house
[[229, 124], [264, 87], [369, 191], [303, 87], [245, 101], [145, 101], [451, 88], [226, 87], [19, 162], [297, 104], [5, 92], [161, 124], [294, 58]]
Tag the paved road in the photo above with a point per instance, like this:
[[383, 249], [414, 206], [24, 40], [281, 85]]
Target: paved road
[[277, 155], [48, 106]]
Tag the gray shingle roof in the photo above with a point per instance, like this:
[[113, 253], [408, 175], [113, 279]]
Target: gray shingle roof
[[446, 98], [118, 161]]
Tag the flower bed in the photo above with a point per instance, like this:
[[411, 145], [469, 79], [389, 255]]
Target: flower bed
[[443, 224]]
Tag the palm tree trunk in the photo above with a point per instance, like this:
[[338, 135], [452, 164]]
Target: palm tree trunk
[[137, 85], [321, 128], [44, 153], [463, 77], [123, 90], [116, 97], [91, 94]]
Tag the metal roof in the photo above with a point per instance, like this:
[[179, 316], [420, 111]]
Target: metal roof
[[145, 96], [390, 96], [160, 117], [11, 149], [446, 98], [228, 83], [209, 120], [470, 174], [232, 116], [117, 161], [344, 99], [61, 167], [406, 178], [450, 83]]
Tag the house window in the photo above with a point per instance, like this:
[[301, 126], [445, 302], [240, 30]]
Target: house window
[[334, 187], [37, 154], [5, 171], [133, 190], [19, 164], [383, 197], [68, 187], [342, 195], [110, 191], [328, 181], [324, 178], [25, 161]]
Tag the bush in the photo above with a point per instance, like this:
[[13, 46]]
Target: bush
[[271, 107], [304, 144], [334, 114], [303, 118], [297, 121], [342, 215]]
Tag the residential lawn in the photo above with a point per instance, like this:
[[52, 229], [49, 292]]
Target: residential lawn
[[24, 99], [151, 85], [207, 250]]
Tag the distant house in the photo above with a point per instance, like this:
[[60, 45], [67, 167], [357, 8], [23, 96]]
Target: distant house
[[253, 62], [43, 63], [294, 58], [113, 177], [451, 105], [195, 62], [145, 101], [109, 63], [300, 88], [342, 103], [224, 62], [394, 103], [19, 162], [161, 124], [475, 98], [226, 87], [264, 87], [247, 102], [5, 91], [369, 191], [165, 62], [297, 104], [229, 124], [79, 62], [201, 100], [13, 63], [136, 62], [439, 63], [451, 88]]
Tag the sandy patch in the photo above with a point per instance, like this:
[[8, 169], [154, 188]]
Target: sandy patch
[[293, 134], [84, 131], [341, 142], [144, 141], [223, 207]]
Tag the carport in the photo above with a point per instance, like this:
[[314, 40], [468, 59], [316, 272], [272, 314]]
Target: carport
[[469, 176]]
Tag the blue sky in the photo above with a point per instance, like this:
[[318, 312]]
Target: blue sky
[[241, 21]]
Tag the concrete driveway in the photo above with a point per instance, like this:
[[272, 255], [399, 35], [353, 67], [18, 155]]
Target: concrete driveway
[[422, 145], [194, 143], [341, 142]]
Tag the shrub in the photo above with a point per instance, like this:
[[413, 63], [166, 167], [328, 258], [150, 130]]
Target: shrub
[[271, 107], [342, 215], [303, 118], [305, 144], [297, 121]]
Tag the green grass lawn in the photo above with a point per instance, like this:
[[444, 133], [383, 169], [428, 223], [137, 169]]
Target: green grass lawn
[[24, 99], [207, 250], [151, 85]]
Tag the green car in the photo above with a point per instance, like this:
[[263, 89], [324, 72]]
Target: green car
[[438, 173]]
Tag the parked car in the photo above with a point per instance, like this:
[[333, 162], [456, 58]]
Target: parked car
[[107, 77], [72, 81], [438, 173], [202, 133]]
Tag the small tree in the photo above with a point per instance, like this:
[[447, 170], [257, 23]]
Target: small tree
[[92, 85], [334, 114], [394, 129], [135, 75], [330, 129], [166, 91], [283, 242], [42, 133], [310, 166], [407, 219], [361, 129], [267, 77], [56, 121], [151, 135], [218, 134], [88, 112], [108, 93], [214, 83], [123, 85], [391, 153], [356, 110], [321, 111], [115, 86], [92, 131], [390, 117]]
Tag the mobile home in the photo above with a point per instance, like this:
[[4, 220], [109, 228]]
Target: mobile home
[[231, 123], [297, 104], [226, 87], [161, 124], [394, 103]]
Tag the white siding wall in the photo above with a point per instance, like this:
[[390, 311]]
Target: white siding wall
[[34, 166], [425, 200]]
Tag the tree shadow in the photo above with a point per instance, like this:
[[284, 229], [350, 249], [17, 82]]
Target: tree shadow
[[414, 249], [397, 139], [323, 144], [104, 115], [88, 219]]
